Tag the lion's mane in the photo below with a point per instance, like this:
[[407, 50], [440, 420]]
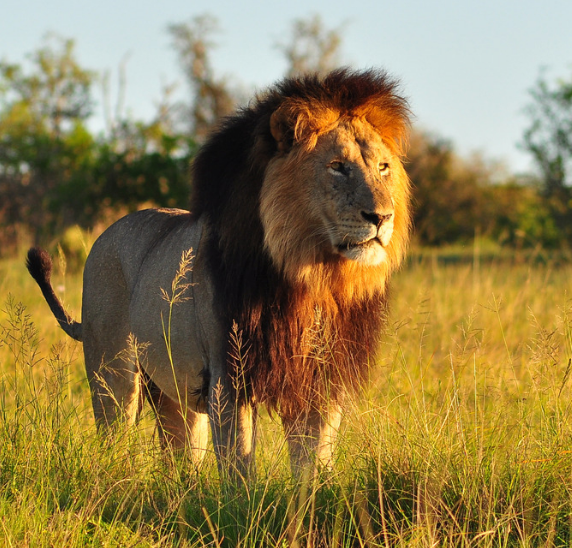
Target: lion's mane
[[300, 337]]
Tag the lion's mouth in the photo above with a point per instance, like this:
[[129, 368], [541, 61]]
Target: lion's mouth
[[348, 246], [369, 252]]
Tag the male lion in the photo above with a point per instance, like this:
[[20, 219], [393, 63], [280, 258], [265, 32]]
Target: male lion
[[300, 212]]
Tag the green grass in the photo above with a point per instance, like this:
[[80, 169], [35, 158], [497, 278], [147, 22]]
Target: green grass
[[463, 438]]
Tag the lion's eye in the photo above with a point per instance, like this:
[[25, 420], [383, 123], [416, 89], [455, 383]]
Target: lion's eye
[[337, 166], [383, 168]]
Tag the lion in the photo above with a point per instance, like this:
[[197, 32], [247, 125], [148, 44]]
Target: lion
[[299, 214]]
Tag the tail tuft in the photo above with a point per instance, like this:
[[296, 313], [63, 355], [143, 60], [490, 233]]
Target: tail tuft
[[39, 265]]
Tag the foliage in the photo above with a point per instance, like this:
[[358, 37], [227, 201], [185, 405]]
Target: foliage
[[549, 136], [142, 167], [54, 96], [43, 136], [549, 140], [458, 199], [55, 173], [449, 199], [521, 217]]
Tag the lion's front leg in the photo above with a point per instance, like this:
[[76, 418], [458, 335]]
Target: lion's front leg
[[311, 436], [233, 423]]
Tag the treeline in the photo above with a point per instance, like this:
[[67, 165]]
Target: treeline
[[56, 173], [457, 199]]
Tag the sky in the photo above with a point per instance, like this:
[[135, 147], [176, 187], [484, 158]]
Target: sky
[[466, 66]]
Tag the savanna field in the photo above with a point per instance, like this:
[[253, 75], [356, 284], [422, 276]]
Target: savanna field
[[463, 438]]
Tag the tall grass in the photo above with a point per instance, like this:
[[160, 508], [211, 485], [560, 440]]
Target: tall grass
[[463, 437]]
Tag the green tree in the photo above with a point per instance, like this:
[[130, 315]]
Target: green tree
[[55, 173], [55, 93], [142, 165], [549, 141], [43, 137], [448, 194], [41, 108], [549, 135]]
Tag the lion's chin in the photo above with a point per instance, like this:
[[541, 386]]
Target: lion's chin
[[370, 253]]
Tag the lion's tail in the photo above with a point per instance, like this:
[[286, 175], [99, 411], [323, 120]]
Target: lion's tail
[[39, 265]]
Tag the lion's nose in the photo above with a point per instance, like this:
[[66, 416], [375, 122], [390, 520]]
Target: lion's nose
[[376, 219]]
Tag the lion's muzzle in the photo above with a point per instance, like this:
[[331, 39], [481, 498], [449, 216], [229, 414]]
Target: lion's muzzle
[[366, 237]]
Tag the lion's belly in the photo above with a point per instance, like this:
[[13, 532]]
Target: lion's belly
[[170, 350]]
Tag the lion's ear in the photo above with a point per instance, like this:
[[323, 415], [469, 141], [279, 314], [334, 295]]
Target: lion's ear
[[282, 127], [301, 123]]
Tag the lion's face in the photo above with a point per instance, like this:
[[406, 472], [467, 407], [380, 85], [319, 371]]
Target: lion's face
[[352, 174], [341, 200]]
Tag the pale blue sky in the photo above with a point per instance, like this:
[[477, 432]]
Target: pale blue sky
[[465, 65]]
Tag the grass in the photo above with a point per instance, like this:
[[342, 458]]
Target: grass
[[463, 437]]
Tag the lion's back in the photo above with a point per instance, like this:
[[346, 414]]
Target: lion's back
[[126, 243]]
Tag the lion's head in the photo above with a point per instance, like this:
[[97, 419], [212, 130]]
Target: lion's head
[[312, 173], [339, 198]]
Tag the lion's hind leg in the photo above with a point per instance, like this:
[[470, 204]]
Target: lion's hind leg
[[111, 353], [116, 384]]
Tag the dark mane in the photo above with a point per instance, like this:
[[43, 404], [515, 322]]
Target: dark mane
[[273, 314]]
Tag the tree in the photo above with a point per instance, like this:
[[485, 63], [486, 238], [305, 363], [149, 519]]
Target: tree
[[453, 196], [549, 140], [56, 92], [549, 136], [211, 96], [446, 207], [43, 138], [54, 173], [311, 47]]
